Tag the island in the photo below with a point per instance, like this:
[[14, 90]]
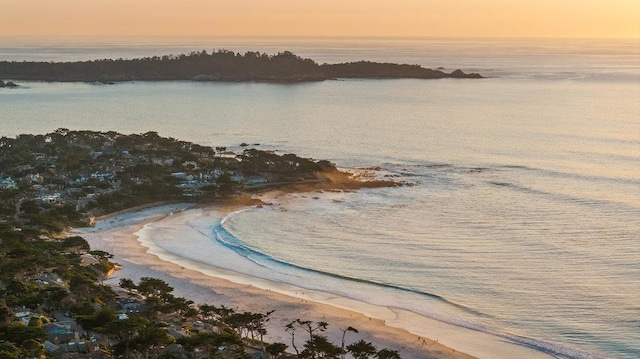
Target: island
[[220, 65], [53, 300]]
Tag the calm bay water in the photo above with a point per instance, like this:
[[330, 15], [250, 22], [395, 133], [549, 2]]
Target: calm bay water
[[524, 220]]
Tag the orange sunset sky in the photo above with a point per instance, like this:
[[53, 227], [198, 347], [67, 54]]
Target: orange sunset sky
[[455, 18]]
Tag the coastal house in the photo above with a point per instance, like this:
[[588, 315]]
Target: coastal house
[[255, 180], [162, 161], [237, 177], [177, 350], [82, 203], [51, 198], [181, 176], [217, 172], [57, 332], [49, 279], [38, 156], [95, 154], [205, 176], [23, 316], [7, 183], [53, 349], [131, 306], [24, 168], [35, 178], [75, 347], [87, 259], [102, 176], [192, 165]]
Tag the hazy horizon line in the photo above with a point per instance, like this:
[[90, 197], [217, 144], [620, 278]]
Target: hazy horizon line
[[325, 37]]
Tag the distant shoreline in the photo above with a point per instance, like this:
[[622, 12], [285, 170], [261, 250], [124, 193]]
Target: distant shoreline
[[219, 66]]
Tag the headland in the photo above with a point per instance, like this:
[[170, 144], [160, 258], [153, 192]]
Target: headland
[[220, 65]]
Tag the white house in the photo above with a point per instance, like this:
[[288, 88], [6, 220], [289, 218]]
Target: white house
[[7, 183]]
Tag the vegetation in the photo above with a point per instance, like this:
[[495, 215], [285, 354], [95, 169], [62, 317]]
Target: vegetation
[[57, 180], [150, 322], [221, 65], [61, 179]]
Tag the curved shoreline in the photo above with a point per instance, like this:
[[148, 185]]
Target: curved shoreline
[[413, 320], [386, 327]]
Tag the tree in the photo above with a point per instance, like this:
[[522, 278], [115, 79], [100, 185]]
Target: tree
[[153, 287], [8, 355], [226, 185], [123, 332], [100, 318], [291, 329], [18, 334], [35, 321], [32, 349], [78, 243], [344, 334], [319, 347], [176, 304], [82, 285], [206, 311], [222, 314], [311, 328], [128, 285], [191, 313], [53, 296], [276, 349], [362, 349], [8, 350], [210, 343], [150, 335], [388, 354], [220, 149], [6, 315], [101, 254]]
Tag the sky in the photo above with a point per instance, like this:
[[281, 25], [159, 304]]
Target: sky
[[376, 18]]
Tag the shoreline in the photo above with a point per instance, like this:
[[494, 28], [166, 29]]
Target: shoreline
[[387, 327], [214, 286]]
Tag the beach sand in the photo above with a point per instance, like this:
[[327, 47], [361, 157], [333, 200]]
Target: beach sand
[[384, 327]]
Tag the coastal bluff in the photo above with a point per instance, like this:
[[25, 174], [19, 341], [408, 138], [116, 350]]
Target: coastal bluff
[[220, 65]]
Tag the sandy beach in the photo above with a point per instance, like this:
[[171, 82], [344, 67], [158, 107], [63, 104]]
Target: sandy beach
[[123, 236]]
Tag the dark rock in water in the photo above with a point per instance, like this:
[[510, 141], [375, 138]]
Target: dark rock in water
[[8, 84], [244, 144], [459, 74]]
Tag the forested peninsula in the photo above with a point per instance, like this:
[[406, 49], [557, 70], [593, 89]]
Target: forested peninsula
[[65, 177], [220, 65]]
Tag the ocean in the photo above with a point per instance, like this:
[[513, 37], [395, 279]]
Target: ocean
[[522, 219]]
